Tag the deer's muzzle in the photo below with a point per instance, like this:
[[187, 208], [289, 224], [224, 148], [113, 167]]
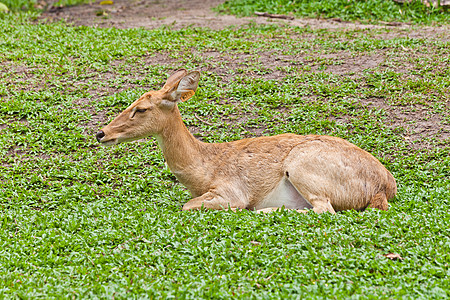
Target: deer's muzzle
[[99, 136]]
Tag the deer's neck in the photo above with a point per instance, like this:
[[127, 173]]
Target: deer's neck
[[184, 154]]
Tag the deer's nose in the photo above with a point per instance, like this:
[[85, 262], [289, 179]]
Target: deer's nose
[[99, 135]]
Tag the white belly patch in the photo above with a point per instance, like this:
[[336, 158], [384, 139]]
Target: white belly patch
[[285, 194]]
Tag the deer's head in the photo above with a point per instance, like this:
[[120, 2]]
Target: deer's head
[[149, 114]]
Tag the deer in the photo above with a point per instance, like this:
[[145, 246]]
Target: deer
[[263, 174]]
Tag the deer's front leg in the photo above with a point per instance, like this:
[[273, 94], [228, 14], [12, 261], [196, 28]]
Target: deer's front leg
[[212, 200]]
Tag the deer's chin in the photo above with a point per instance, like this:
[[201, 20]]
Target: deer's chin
[[110, 142], [120, 140], [129, 139]]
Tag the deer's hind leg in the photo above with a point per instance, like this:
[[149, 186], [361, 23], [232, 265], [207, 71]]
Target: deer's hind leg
[[321, 204], [379, 201], [215, 201]]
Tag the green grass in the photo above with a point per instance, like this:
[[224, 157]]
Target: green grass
[[366, 11], [35, 5], [87, 221]]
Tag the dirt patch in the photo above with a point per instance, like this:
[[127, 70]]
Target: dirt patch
[[181, 13], [420, 126], [148, 14], [343, 62]]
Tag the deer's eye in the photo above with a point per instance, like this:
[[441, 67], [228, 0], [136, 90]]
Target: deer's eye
[[141, 110]]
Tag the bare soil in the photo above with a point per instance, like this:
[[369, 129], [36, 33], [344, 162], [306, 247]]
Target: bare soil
[[420, 125], [180, 13]]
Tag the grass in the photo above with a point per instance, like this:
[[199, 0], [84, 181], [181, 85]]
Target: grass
[[35, 5], [365, 11], [84, 221]]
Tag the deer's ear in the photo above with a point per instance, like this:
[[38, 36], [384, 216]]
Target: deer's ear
[[187, 86], [174, 79]]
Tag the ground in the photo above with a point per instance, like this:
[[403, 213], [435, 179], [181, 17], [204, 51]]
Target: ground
[[178, 14]]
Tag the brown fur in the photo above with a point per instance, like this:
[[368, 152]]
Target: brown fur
[[327, 173], [379, 201]]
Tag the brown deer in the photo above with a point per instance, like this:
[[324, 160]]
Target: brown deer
[[322, 173]]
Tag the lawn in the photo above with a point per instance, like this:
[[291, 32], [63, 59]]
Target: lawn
[[85, 221]]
